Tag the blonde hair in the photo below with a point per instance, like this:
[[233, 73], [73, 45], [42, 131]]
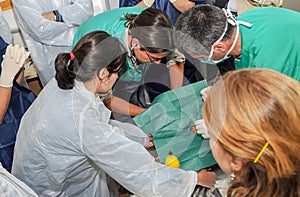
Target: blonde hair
[[244, 110]]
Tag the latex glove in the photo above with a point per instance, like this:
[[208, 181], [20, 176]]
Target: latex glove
[[148, 3], [174, 57], [200, 128], [204, 92], [13, 60]]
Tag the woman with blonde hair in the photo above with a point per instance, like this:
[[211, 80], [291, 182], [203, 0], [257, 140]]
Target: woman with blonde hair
[[253, 119]]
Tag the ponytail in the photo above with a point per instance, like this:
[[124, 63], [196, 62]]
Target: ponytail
[[65, 73], [93, 52]]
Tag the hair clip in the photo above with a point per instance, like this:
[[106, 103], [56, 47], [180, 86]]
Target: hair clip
[[261, 152], [72, 56]]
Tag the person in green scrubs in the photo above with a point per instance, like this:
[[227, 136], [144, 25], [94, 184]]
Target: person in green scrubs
[[147, 35], [265, 37]]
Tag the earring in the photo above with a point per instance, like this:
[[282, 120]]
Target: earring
[[232, 176]]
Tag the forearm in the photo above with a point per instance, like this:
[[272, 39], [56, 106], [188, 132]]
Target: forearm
[[5, 94], [20, 76], [142, 4], [176, 73], [145, 3], [183, 5], [121, 106]]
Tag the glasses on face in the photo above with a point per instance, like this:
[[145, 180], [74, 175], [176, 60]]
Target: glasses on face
[[152, 59], [115, 70]]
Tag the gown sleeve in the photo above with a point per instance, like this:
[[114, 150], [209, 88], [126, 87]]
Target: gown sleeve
[[128, 162]]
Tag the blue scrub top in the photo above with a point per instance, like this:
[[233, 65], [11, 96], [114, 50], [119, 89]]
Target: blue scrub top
[[21, 99], [165, 6]]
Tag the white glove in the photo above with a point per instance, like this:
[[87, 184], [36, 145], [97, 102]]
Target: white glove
[[148, 3], [204, 92], [201, 129], [13, 60]]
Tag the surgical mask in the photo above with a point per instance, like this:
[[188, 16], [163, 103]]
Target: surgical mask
[[233, 22]]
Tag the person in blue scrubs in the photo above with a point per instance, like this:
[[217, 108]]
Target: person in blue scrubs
[[15, 100], [173, 8]]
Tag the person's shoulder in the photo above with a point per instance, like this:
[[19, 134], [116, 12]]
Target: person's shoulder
[[120, 11], [264, 10], [133, 10], [269, 15]]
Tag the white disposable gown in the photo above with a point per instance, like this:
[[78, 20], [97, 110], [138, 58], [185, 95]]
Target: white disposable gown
[[10, 186], [68, 146], [44, 38], [5, 32]]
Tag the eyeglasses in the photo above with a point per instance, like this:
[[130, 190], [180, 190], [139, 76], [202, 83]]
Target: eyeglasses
[[116, 70], [152, 59]]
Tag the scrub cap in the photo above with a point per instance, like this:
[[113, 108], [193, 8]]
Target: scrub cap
[[244, 5]]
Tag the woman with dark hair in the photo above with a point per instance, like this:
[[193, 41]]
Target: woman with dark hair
[[148, 38], [68, 146]]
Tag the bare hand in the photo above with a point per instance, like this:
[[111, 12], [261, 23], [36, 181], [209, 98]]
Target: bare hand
[[49, 15], [206, 179]]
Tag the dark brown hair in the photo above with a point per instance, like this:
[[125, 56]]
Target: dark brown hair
[[93, 52]]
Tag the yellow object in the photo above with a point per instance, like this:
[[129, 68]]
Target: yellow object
[[261, 152], [172, 161]]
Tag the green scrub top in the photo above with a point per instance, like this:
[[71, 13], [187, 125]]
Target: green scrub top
[[273, 41], [112, 22]]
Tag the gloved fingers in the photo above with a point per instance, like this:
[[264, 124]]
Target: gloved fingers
[[200, 127], [18, 53], [24, 56], [9, 51], [197, 122], [205, 135], [204, 92]]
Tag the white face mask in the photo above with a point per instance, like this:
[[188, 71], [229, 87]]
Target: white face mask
[[233, 22]]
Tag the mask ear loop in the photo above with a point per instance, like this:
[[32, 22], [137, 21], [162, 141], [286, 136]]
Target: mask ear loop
[[221, 37], [132, 56], [229, 19]]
